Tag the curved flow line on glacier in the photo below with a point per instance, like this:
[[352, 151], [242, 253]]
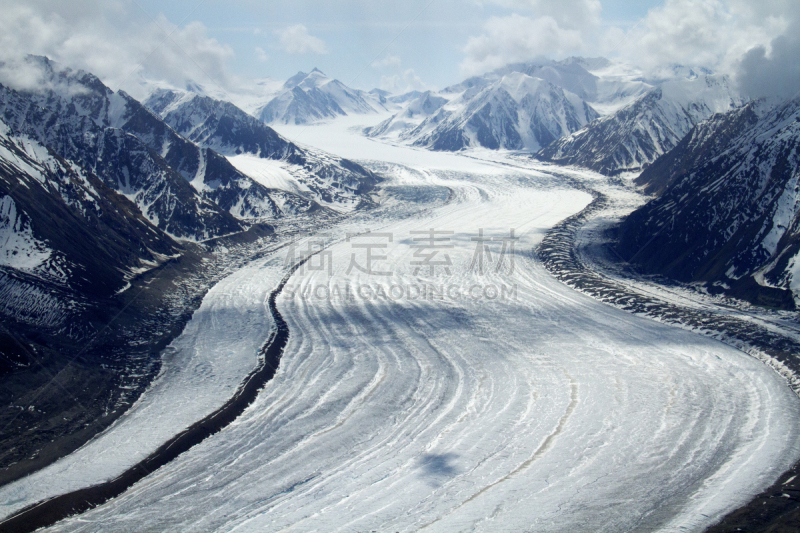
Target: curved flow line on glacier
[[543, 448], [559, 257], [48, 512]]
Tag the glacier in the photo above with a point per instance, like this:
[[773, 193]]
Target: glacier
[[527, 406]]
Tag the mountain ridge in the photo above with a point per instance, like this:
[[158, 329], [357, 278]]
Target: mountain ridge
[[311, 97], [729, 198], [636, 135]]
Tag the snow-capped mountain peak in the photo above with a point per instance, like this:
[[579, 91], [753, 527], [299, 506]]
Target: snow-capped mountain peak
[[311, 97], [634, 136], [512, 111]]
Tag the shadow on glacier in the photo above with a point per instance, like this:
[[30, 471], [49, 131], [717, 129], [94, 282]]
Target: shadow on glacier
[[436, 469], [386, 315]]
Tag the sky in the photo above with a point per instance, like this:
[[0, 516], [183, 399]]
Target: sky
[[360, 42], [397, 45]]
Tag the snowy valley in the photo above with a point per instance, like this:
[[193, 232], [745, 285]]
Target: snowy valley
[[561, 286]]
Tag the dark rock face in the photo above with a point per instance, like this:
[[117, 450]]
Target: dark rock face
[[612, 143], [97, 236], [417, 105], [492, 127], [299, 107], [70, 244], [211, 176], [94, 198], [729, 208], [102, 208], [703, 142], [215, 124]]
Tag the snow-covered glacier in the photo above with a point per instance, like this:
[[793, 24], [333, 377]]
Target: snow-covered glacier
[[447, 382]]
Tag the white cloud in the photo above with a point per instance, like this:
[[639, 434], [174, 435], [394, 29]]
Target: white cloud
[[191, 45], [28, 74], [773, 69], [98, 36], [680, 32], [709, 33], [548, 28], [388, 61], [517, 38], [116, 40], [403, 83], [296, 40]]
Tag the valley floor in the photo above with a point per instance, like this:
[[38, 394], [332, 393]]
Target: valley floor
[[450, 383]]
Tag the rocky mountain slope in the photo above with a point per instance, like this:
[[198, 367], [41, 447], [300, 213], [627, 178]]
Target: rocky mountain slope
[[728, 213], [108, 219], [636, 135], [95, 189], [214, 124], [420, 106], [65, 236], [605, 85], [117, 139]]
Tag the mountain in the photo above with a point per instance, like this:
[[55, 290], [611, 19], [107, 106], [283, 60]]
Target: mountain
[[517, 112], [418, 108], [210, 174], [519, 106], [113, 137], [605, 85], [194, 175], [311, 97], [403, 98], [70, 247], [635, 135], [728, 213], [514, 112], [100, 201], [312, 177], [380, 96], [63, 231], [248, 95], [96, 189], [67, 241]]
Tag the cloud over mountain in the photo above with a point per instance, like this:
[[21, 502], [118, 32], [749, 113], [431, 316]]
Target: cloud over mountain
[[774, 70], [112, 39], [296, 40]]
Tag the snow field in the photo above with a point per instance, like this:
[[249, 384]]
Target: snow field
[[547, 412]]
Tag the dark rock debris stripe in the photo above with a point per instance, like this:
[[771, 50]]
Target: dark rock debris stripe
[[48, 512]]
